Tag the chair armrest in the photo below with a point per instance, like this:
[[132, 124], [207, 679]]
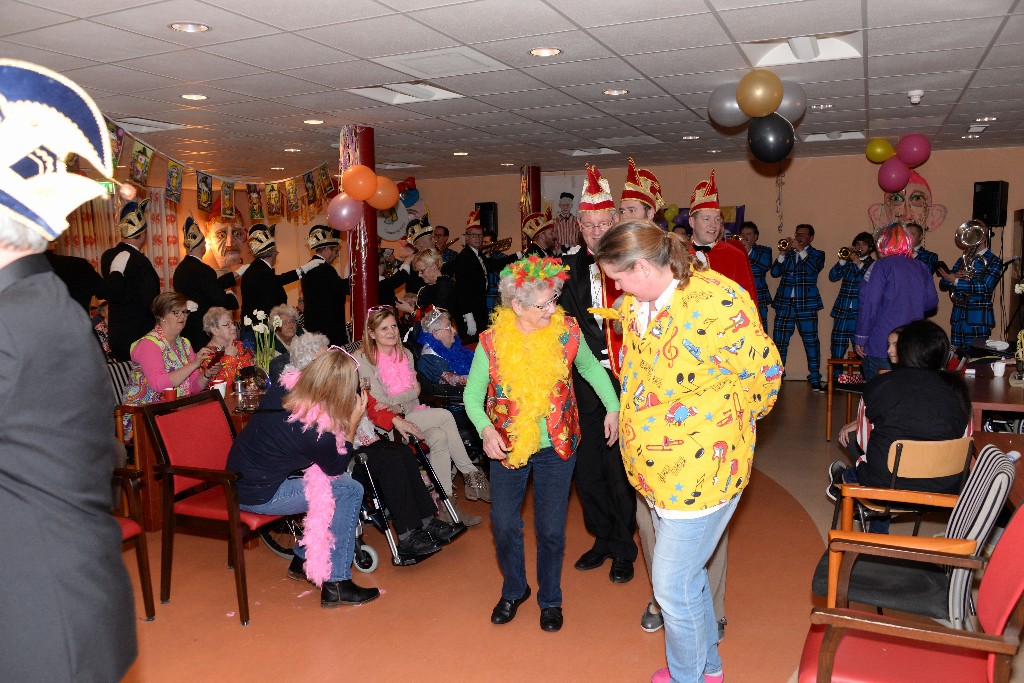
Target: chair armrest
[[942, 500], [859, 541], [127, 473], [130, 481], [927, 632], [221, 476]]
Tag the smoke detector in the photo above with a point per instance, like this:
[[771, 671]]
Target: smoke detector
[[915, 96]]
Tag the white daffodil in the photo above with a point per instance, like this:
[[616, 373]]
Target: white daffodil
[[276, 321], [192, 306], [1018, 289], [261, 316], [248, 321], [260, 328]]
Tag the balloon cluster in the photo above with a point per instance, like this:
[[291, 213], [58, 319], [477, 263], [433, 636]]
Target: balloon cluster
[[359, 183], [894, 173], [770, 105], [673, 215]]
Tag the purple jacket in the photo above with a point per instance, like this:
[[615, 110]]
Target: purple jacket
[[896, 290]]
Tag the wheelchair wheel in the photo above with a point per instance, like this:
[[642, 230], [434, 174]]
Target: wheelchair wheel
[[366, 559], [282, 535]]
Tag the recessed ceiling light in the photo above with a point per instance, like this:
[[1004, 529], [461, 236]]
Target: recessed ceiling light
[[507, 164], [277, 168], [821, 107], [545, 51], [714, 151], [614, 92], [690, 137], [460, 154], [313, 122], [292, 149], [189, 27], [193, 96], [969, 137], [985, 119]]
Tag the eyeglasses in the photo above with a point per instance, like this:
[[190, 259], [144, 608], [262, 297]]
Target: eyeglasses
[[553, 301], [594, 226], [474, 234], [446, 328], [183, 312]]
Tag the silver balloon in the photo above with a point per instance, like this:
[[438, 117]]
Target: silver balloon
[[794, 101], [723, 107]]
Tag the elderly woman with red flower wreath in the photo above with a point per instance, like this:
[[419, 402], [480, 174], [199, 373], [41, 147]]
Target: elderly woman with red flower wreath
[[520, 398]]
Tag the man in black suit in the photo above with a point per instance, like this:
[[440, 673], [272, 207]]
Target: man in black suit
[[78, 275], [470, 273], [323, 290], [262, 288], [130, 282], [198, 282], [68, 609], [538, 229], [607, 498]]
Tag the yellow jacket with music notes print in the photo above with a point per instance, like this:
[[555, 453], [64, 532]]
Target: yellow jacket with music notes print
[[694, 385]]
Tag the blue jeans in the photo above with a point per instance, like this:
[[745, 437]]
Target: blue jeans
[[551, 479], [871, 366], [289, 499], [681, 587]]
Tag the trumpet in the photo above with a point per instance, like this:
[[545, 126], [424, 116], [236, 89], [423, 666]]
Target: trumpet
[[845, 253], [500, 245], [785, 243], [739, 238]]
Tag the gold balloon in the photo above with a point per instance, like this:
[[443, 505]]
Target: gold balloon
[[879, 149], [759, 93]]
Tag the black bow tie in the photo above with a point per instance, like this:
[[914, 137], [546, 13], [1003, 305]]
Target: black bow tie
[[701, 247]]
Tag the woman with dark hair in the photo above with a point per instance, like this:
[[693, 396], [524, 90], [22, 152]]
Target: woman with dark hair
[[918, 400]]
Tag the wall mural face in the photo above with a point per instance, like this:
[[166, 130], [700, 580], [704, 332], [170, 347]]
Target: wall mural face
[[912, 204], [225, 241]]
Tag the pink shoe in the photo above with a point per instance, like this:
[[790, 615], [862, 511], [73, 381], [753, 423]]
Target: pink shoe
[[661, 676], [715, 678]]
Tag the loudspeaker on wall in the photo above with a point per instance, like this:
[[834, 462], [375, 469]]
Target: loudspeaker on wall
[[990, 198], [488, 217]]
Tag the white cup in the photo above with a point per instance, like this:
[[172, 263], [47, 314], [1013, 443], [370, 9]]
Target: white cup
[[222, 387], [999, 369]]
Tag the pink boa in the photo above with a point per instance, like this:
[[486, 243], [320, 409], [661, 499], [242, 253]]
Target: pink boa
[[396, 373], [317, 538]]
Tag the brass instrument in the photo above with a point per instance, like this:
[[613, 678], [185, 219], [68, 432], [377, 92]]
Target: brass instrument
[[450, 242], [739, 238], [845, 253], [968, 237], [785, 244], [500, 245]]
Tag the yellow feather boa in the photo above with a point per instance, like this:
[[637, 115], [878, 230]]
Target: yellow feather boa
[[529, 366]]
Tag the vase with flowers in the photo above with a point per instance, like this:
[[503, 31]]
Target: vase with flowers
[[263, 337]]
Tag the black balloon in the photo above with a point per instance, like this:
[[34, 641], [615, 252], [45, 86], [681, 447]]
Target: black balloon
[[770, 138]]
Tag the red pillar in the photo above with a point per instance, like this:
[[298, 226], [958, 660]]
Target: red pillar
[[364, 254]]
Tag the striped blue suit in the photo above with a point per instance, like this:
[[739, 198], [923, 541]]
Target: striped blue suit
[[797, 302]]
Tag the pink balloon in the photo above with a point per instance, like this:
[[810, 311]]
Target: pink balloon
[[893, 175], [344, 213], [913, 149]]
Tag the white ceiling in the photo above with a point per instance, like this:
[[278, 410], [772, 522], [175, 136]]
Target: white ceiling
[[267, 65]]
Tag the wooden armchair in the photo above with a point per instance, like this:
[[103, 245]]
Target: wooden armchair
[[129, 518], [851, 390]]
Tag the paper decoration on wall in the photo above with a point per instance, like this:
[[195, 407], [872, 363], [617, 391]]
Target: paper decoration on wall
[[291, 191], [311, 187], [138, 170], [116, 140], [255, 194], [227, 199], [175, 173], [323, 174], [204, 191], [273, 200], [304, 210]]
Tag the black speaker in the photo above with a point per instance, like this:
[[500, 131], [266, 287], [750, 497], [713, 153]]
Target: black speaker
[[489, 217], [990, 199]]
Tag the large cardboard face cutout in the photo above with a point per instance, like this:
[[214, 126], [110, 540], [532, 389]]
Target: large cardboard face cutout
[[912, 204], [225, 241]]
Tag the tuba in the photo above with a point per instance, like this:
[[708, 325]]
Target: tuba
[[845, 253], [969, 235]]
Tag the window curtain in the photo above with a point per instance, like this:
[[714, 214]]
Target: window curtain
[[92, 229]]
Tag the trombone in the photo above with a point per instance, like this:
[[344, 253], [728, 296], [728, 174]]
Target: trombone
[[500, 245]]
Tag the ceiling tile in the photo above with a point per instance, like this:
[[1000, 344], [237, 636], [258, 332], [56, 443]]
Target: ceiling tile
[[639, 105], [154, 20], [691, 61], [328, 100], [357, 74], [590, 13], [20, 17], [267, 85], [783, 20], [699, 82], [497, 118], [475, 22], [363, 38], [884, 13], [260, 110], [549, 97], [52, 60], [944, 36], [1013, 75], [567, 111], [680, 32], [491, 83], [1004, 55], [295, 16], [947, 81], [925, 62], [93, 41], [192, 65], [463, 105], [172, 94], [118, 79], [594, 92], [581, 73], [80, 8], [279, 51], [574, 46]]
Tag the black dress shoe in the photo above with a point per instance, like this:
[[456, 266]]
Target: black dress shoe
[[592, 559], [550, 619], [297, 569], [442, 532], [337, 593], [505, 610], [622, 571], [419, 542]]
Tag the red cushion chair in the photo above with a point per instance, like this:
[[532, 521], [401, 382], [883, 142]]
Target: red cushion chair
[[192, 437], [130, 520]]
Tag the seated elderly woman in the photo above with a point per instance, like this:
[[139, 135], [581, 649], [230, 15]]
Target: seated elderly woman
[[165, 358], [304, 428], [289, 328], [439, 289], [443, 359], [521, 399], [917, 400], [388, 367], [224, 343]]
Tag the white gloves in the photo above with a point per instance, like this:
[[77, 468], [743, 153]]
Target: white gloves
[[843, 262], [241, 270], [470, 324], [119, 262], [313, 263]]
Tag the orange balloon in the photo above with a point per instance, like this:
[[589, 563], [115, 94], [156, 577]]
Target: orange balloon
[[359, 182], [386, 195], [759, 93]]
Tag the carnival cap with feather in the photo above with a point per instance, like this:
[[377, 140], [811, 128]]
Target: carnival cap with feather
[[705, 195], [642, 186], [191, 234], [417, 228], [44, 117], [261, 239], [536, 223], [323, 236], [597, 194], [132, 222]]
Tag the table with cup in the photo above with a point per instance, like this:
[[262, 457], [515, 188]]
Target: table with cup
[[995, 387]]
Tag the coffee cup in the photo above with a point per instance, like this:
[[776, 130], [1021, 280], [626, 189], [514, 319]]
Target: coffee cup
[[999, 369], [170, 394], [221, 387]]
